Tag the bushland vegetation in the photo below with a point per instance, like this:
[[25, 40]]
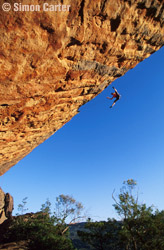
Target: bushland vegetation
[[139, 227], [45, 229]]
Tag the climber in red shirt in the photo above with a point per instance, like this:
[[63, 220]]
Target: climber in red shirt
[[114, 95]]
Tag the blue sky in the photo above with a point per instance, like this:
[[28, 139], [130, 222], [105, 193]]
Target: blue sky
[[99, 148]]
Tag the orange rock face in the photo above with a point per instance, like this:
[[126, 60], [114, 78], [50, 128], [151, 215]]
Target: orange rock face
[[52, 62], [6, 206]]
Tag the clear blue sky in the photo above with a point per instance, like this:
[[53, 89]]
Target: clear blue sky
[[101, 147]]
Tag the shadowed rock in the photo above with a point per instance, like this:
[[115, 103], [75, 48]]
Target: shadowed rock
[[6, 206]]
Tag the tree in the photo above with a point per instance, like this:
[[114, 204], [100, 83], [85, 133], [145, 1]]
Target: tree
[[140, 229], [39, 231], [22, 206], [45, 230], [46, 207], [102, 235], [67, 211]]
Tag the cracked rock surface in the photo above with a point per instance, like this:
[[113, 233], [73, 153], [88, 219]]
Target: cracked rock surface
[[6, 206], [51, 63]]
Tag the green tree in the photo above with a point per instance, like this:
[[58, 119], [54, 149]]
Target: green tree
[[22, 206], [67, 211], [102, 235], [140, 228], [46, 207], [45, 230]]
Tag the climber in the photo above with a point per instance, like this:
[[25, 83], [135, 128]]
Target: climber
[[114, 95]]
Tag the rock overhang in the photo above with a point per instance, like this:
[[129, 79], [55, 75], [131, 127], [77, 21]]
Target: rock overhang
[[52, 63]]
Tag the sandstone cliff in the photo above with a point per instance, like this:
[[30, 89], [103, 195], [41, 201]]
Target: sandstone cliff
[[51, 63], [6, 206]]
